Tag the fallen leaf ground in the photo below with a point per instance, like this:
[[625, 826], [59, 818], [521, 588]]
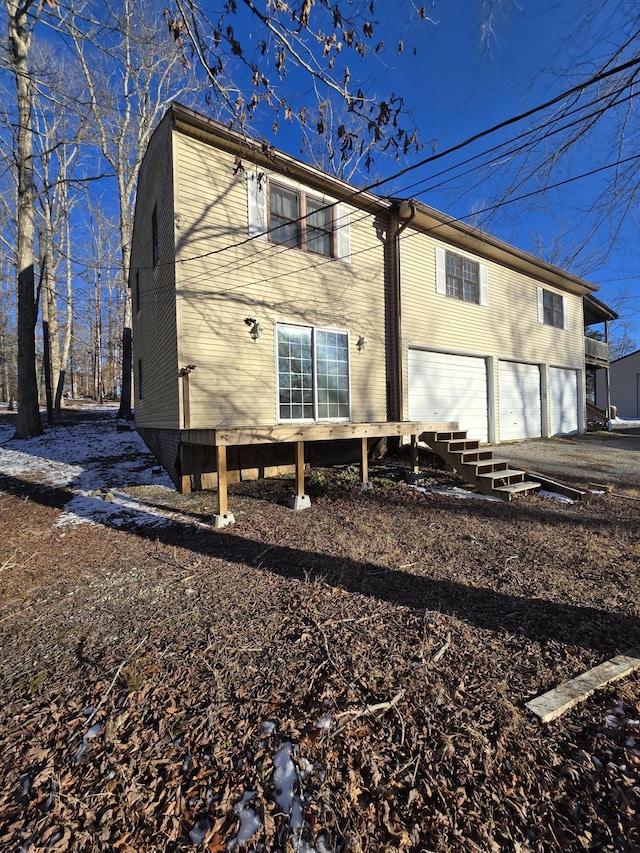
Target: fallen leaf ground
[[150, 676]]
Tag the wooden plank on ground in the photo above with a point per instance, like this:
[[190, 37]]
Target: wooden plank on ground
[[551, 705], [558, 487]]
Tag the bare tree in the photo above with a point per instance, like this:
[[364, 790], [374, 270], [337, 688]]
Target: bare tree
[[589, 132], [59, 136], [314, 43], [131, 40], [21, 19], [7, 331]]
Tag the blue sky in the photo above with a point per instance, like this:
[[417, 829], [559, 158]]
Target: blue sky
[[456, 86]]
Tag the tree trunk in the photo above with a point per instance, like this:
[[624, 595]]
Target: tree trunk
[[28, 421], [46, 328], [66, 346], [127, 363], [125, 410]]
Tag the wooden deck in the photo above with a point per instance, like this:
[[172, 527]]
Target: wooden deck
[[289, 433], [298, 434]]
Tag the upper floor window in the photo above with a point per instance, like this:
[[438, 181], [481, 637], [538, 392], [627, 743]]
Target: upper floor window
[[288, 215], [463, 278], [551, 309], [299, 220], [460, 277]]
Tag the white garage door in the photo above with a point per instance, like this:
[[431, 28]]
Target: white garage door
[[445, 387], [563, 390], [520, 410]]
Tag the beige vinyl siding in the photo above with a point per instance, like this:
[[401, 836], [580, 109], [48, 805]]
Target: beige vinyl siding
[[506, 328], [223, 278], [154, 326]]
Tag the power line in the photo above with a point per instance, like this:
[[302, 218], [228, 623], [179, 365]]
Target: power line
[[434, 157]]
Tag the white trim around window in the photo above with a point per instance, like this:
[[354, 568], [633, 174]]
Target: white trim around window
[[460, 277], [315, 215], [552, 309], [313, 374]]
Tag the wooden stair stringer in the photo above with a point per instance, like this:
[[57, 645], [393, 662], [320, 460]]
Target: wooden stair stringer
[[478, 466]]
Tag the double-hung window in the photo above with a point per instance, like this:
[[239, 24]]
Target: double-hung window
[[287, 214], [551, 309], [553, 313], [460, 277], [284, 208], [299, 220], [313, 373], [463, 278]]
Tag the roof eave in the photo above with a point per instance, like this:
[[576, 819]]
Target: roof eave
[[457, 233], [262, 154]]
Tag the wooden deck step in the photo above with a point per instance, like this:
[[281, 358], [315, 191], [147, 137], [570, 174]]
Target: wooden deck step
[[515, 488], [449, 435], [489, 464], [477, 465], [504, 474], [480, 453], [459, 445]]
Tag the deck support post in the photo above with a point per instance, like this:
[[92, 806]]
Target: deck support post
[[223, 517], [364, 463], [299, 500], [299, 469], [415, 459], [185, 478]]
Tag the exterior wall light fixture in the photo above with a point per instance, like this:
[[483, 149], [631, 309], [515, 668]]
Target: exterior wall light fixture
[[361, 343], [185, 371], [255, 329]]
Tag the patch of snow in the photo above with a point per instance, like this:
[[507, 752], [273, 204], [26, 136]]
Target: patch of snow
[[250, 823], [455, 492], [305, 768], [626, 422], [321, 845], [563, 499], [96, 462], [6, 431], [324, 723], [199, 832], [94, 731], [284, 778]]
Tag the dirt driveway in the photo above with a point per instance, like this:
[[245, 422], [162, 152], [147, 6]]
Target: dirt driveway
[[597, 457]]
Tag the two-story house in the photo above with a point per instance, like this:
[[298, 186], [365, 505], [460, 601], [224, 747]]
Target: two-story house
[[280, 314]]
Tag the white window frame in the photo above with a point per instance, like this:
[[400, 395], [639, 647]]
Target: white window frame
[[541, 309], [315, 330], [441, 277], [258, 216]]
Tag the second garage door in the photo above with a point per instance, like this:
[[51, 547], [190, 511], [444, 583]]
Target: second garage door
[[444, 387], [563, 392], [520, 410]]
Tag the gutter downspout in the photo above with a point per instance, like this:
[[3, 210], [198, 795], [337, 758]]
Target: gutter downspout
[[607, 378], [401, 215]]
